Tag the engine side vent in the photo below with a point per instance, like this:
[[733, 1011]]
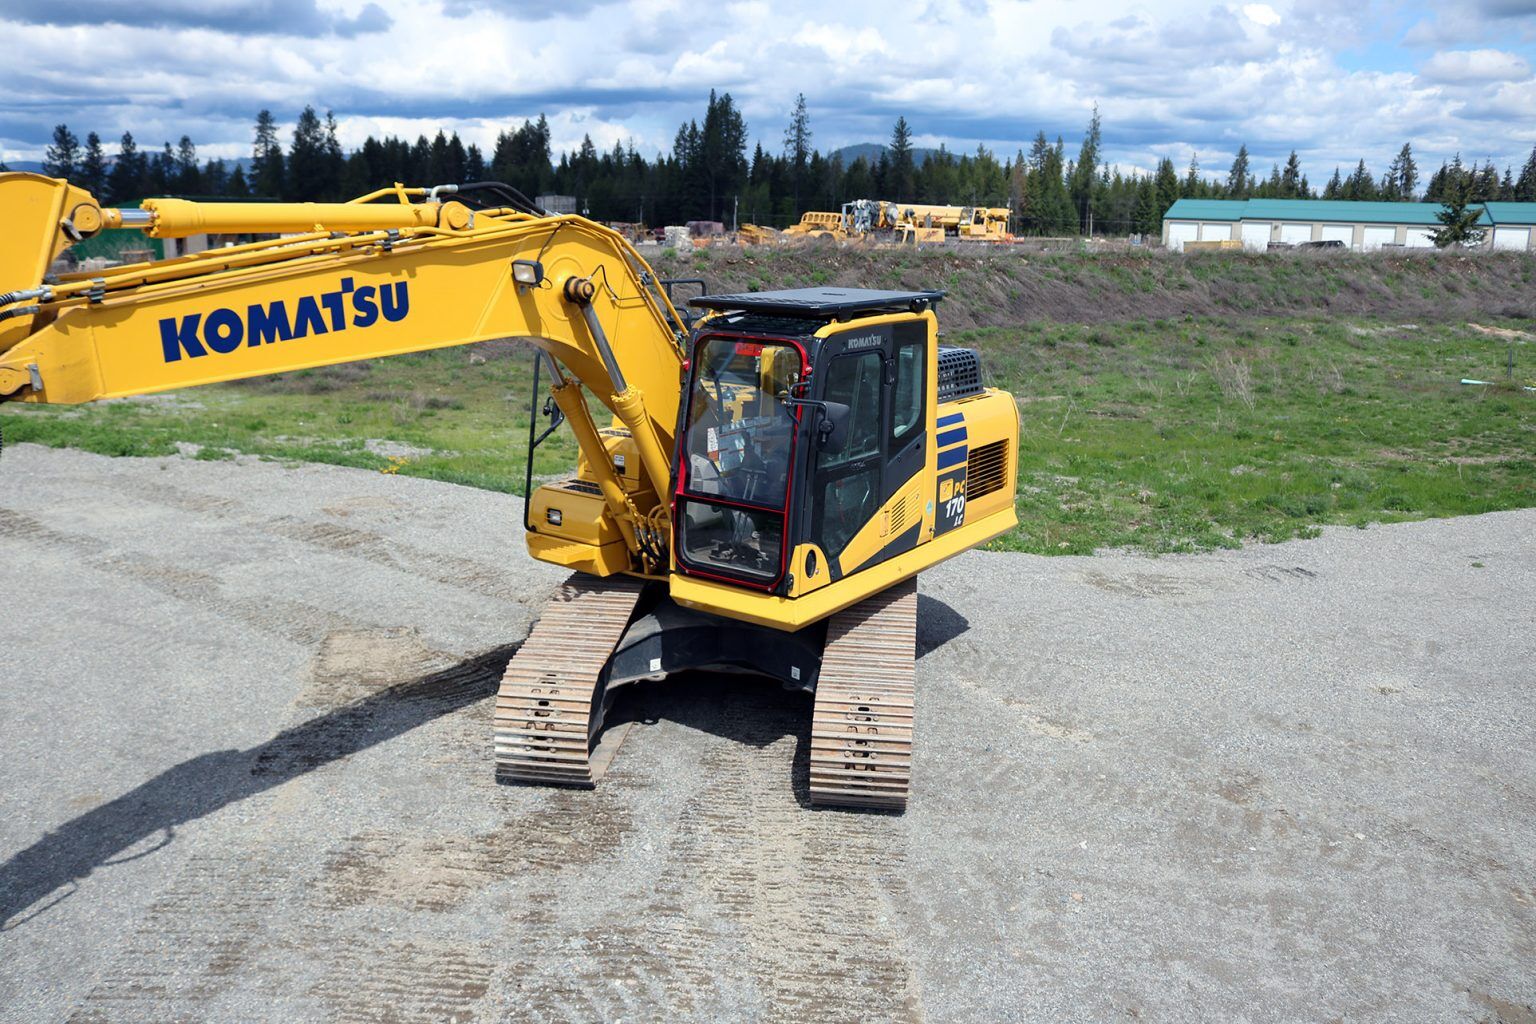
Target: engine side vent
[[959, 373], [987, 469], [901, 515]]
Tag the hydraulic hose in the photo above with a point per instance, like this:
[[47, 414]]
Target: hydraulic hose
[[45, 293]]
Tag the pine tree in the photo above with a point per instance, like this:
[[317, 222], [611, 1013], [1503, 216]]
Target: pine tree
[[125, 182], [1437, 180], [1359, 185], [357, 177], [902, 183], [306, 159], [1525, 187], [93, 167], [215, 178], [333, 161], [1485, 184], [162, 172], [1085, 172], [1290, 178], [63, 156], [1148, 218], [438, 171], [1167, 186], [1239, 181], [1459, 214], [267, 170], [724, 152], [237, 187], [1192, 183], [797, 147], [188, 180], [1335, 187], [1407, 172]]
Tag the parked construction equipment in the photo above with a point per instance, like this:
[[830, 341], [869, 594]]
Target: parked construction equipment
[[777, 470], [813, 224], [966, 223]]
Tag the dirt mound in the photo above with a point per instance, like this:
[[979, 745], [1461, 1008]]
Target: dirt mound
[[1002, 287]]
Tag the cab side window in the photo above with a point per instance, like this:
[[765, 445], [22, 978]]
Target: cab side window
[[848, 480], [854, 380], [907, 399]]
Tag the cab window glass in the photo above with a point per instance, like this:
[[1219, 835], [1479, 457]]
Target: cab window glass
[[855, 382], [907, 402], [740, 428], [848, 480]]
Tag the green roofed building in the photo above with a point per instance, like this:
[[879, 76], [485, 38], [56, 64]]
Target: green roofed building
[[1513, 225], [1363, 227]]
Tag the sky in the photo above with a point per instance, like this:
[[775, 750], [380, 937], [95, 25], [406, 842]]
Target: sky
[[1336, 80]]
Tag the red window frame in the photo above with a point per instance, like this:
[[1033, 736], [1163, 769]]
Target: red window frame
[[681, 493]]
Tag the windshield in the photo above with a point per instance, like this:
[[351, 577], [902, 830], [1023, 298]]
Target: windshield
[[739, 436], [739, 426]]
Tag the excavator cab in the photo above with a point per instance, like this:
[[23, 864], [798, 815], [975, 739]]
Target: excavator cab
[[806, 412]]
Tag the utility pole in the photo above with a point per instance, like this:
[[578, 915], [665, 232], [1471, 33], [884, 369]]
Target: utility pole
[[735, 212]]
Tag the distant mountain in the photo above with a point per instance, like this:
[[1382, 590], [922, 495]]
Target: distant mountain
[[24, 165], [871, 151]]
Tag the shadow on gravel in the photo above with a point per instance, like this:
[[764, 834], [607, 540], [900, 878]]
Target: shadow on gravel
[[205, 783], [937, 624], [751, 710]]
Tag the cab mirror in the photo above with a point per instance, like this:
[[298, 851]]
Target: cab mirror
[[833, 428]]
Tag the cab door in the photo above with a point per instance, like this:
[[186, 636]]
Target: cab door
[[878, 373]]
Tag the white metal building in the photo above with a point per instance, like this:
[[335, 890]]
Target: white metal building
[[1363, 227], [1513, 225]]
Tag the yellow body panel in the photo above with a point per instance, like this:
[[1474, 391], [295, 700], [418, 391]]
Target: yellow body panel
[[792, 613], [599, 560], [576, 516]]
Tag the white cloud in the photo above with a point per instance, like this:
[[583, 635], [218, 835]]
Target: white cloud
[[1335, 81], [1261, 14], [1476, 66]]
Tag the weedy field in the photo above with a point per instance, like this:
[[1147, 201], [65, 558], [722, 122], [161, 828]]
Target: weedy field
[[1173, 434]]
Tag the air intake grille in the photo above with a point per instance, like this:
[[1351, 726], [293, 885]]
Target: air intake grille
[[987, 470], [959, 373], [901, 514]]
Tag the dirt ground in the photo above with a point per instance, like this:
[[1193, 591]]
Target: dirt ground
[[246, 756], [1008, 285]]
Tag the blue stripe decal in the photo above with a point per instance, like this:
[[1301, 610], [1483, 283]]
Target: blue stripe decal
[[951, 419], [950, 437], [953, 457]]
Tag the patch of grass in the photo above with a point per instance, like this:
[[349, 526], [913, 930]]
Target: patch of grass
[[1181, 436], [1174, 434], [462, 412]]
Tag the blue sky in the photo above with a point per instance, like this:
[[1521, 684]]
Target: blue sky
[[1335, 80]]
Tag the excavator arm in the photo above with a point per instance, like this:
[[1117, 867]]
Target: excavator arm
[[400, 270]]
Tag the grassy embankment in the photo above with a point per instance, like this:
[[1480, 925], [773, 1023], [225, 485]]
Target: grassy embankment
[[1170, 434]]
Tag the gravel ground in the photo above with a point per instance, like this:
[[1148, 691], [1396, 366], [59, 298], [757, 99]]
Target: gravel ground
[[246, 777]]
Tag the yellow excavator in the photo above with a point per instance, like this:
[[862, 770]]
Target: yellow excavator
[[778, 467]]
